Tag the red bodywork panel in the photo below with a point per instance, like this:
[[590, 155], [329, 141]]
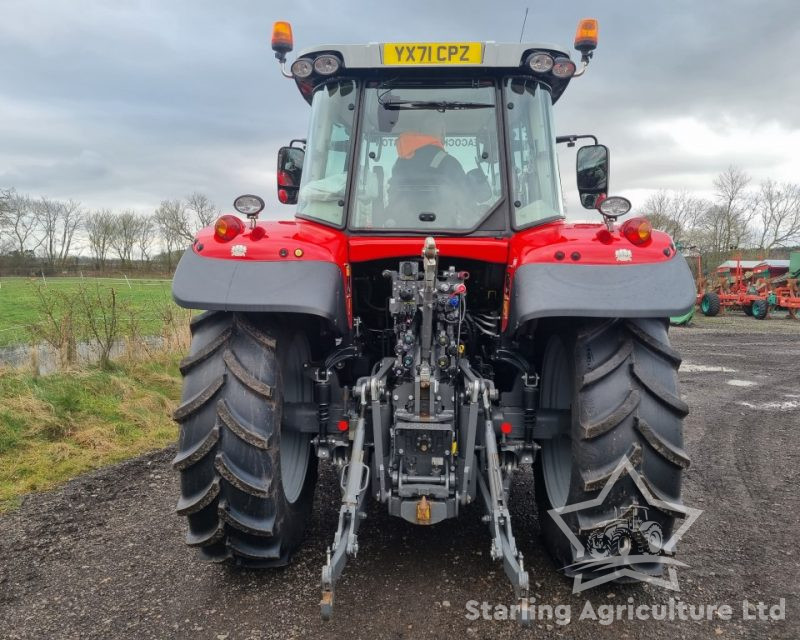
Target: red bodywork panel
[[574, 243]]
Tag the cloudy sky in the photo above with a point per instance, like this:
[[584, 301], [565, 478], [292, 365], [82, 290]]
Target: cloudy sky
[[123, 103]]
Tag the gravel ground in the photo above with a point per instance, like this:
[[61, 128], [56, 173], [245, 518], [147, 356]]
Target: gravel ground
[[103, 556]]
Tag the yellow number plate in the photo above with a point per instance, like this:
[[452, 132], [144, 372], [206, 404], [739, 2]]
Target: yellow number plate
[[432, 53]]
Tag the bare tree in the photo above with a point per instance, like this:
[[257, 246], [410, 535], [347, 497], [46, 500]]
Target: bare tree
[[6, 244], [145, 241], [5, 204], [175, 218], [100, 229], [21, 224], [58, 221], [777, 209], [733, 209], [710, 233], [128, 227], [205, 210], [657, 209], [100, 314], [674, 213], [177, 231]]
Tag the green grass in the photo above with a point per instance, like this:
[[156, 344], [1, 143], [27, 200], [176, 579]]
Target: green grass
[[55, 427], [20, 307]]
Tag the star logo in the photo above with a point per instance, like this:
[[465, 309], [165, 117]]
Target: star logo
[[620, 534]]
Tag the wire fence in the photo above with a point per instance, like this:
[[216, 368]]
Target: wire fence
[[144, 301], [57, 280]]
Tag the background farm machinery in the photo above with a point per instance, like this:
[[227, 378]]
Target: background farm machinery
[[755, 287]]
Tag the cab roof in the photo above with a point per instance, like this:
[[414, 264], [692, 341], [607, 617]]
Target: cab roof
[[368, 60]]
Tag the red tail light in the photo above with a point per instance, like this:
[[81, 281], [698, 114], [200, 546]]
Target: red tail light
[[228, 227], [637, 230]]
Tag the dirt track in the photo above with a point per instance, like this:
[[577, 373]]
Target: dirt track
[[103, 556]]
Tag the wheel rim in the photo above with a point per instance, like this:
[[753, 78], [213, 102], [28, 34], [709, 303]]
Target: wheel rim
[[704, 305], [556, 452], [295, 446]]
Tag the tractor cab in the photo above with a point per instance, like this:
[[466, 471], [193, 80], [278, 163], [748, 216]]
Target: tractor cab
[[451, 138]]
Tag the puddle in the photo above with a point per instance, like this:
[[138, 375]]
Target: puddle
[[47, 358], [742, 383], [786, 405], [704, 368]]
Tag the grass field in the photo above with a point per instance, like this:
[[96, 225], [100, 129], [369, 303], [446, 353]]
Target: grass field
[[54, 427], [20, 306]]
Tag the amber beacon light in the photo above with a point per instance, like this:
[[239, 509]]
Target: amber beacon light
[[282, 40], [586, 35]]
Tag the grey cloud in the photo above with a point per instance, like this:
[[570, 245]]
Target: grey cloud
[[136, 101]]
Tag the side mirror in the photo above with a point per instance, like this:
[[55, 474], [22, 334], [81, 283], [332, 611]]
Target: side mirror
[[592, 167], [290, 170]]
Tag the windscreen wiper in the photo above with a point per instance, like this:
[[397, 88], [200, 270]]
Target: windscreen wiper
[[438, 105]]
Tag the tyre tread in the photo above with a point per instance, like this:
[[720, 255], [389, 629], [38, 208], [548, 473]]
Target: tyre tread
[[194, 404], [242, 375], [604, 425], [597, 478], [653, 344], [226, 460], [676, 455], [661, 393]]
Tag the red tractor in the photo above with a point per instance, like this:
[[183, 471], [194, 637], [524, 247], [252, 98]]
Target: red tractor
[[429, 322]]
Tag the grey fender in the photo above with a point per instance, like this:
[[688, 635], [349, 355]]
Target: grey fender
[[292, 286], [655, 290]]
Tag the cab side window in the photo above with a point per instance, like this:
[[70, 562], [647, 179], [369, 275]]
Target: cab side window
[[324, 181], [536, 188]]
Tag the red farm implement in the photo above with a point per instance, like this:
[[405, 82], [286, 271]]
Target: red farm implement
[[756, 287]]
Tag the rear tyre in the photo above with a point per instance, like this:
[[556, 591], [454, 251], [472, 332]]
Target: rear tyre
[[619, 380], [247, 485], [710, 304], [759, 309]]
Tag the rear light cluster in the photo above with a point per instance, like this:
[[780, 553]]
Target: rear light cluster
[[227, 227], [637, 230]]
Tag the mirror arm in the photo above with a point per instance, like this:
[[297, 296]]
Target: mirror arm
[[570, 139]]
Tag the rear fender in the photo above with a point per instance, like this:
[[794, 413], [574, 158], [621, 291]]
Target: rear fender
[[574, 270], [297, 268]]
